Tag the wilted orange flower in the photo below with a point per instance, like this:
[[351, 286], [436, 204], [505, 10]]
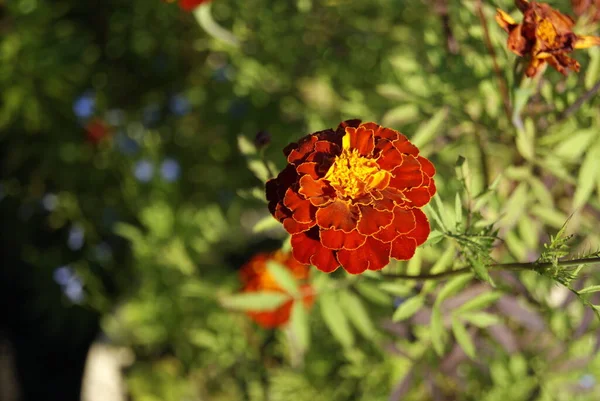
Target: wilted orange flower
[[581, 7], [188, 5], [351, 197], [256, 278], [545, 35]]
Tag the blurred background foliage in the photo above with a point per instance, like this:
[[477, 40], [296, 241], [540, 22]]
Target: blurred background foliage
[[131, 191]]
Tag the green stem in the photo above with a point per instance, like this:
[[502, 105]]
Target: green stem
[[533, 266]]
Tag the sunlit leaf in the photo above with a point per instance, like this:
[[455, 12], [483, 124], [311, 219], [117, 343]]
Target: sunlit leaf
[[480, 319], [255, 301], [408, 308], [452, 287], [357, 314], [479, 302], [463, 338], [299, 325], [428, 131], [284, 277], [335, 319], [590, 289], [438, 333]]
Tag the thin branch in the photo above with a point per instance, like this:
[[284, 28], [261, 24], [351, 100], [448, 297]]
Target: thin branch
[[533, 266], [488, 43], [579, 102]]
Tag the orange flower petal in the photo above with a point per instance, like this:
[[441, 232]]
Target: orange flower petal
[[307, 249], [337, 239], [310, 168], [318, 192], [341, 128], [373, 255], [339, 215], [517, 43], [408, 174], [404, 146], [422, 228], [583, 42], [426, 166], [296, 153], [404, 222], [418, 196], [293, 227], [302, 210], [504, 20], [385, 133], [389, 156], [373, 220], [403, 248], [360, 139]]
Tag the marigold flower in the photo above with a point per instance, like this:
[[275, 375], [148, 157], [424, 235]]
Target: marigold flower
[[256, 278], [352, 197], [545, 35]]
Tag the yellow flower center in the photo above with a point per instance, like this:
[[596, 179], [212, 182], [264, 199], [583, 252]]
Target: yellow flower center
[[353, 175], [546, 32]]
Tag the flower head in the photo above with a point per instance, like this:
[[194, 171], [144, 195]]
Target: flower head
[[256, 278], [545, 35], [352, 197]]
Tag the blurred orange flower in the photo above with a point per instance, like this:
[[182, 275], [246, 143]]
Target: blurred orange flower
[[188, 5], [592, 7], [256, 277], [96, 130], [352, 197], [545, 35]]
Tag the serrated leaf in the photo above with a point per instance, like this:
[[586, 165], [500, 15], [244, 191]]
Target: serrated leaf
[[479, 302], [480, 319], [284, 277], [255, 301], [452, 287], [335, 319], [438, 334], [463, 338], [587, 290], [357, 314], [299, 325], [430, 129], [448, 222], [408, 308]]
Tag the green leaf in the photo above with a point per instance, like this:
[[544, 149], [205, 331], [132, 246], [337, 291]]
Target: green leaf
[[400, 288], [401, 115], [429, 130], [373, 293], [587, 290], [480, 270], [284, 277], [255, 301], [246, 146], [408, 308], [479, 302], [438, 334], [266, 223], [452, 287], [458, 212], [586, 181], [299, 325], [357, 314], [335, 319], [480, 319], [463, 338]]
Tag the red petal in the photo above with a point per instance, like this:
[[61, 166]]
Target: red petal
[[341, 129], [373, 255], [318, 192], [307, 249], [387, 133], [389, 156], [337, 239], [426, 166], [403, 223], [302, 210], [360, 139], [373, 220], [339, 215], [422, 229], [403, 248], [408, 174], [431, 187], [293, 227], [404, 146], [309, 168], [418, 196], [298, 152]]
